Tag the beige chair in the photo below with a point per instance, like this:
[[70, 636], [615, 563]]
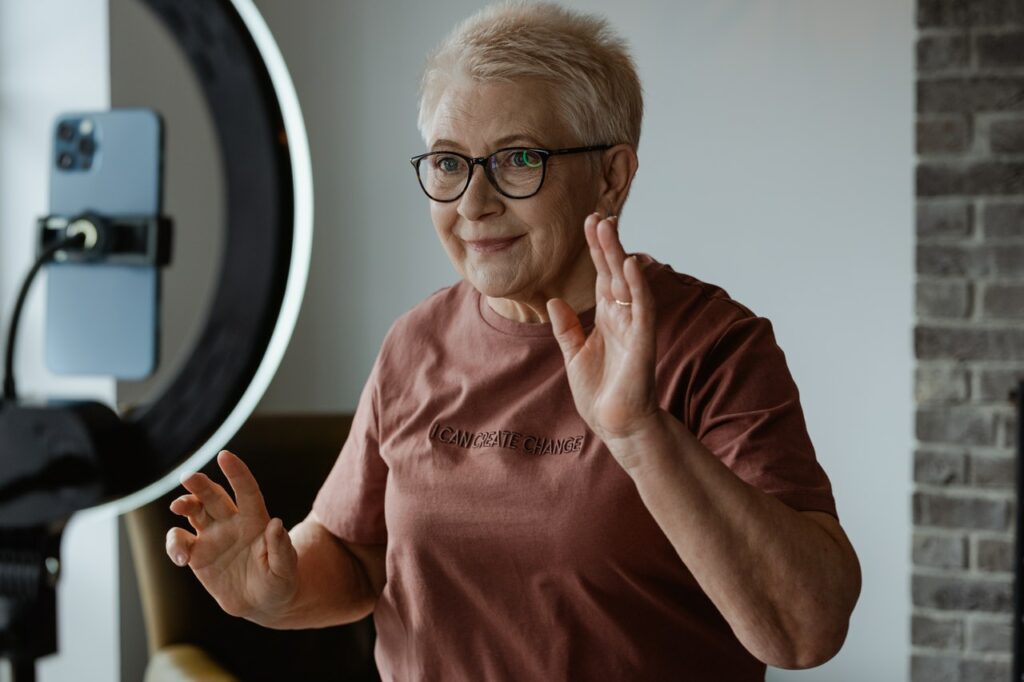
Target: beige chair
[[189, 636]]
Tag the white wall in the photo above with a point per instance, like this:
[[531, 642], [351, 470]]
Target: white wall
[[53, 57], [776, 161]]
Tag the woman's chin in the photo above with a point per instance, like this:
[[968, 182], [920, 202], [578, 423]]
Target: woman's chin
[[491, 281]]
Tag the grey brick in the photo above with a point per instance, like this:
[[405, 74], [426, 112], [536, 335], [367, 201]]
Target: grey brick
[[971, 94], [938, 633], [1004, 219], [954, 261], [993, 472], [1003, 301], [994, 555], [940, 468], [1007, 260], [974, 513], [968, 260], [960, 425], [934, 668], [938, 52], [949, 299], [938, 13], [995, 177], [959, 593], [996, 384], [932, 179], [995, 50], [938, 343], [945, 383], [943, 218], [940, 551], [942, 136], [1007, 137], [1008, 426], [973, 178], [975, 670], [991, 636]]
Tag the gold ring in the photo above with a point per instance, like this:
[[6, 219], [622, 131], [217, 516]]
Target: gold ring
[[623, 302]]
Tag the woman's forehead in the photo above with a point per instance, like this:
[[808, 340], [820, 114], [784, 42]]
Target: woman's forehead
[[476, 116]]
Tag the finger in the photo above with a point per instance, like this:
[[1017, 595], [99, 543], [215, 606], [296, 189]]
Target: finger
[[607, 232], [179, 544], [214, 498], [565, 325], [247, 491], [190, 507], [640, 293], [603, 286], [281, 555]]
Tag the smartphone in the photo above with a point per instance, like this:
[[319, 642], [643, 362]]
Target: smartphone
[[103, 318]]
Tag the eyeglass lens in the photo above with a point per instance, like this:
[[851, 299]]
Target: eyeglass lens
[[517, 173]]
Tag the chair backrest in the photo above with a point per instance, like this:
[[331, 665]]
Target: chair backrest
[[290, 456]]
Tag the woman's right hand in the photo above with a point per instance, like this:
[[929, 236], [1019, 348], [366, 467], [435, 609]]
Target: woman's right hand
[[242, 557]]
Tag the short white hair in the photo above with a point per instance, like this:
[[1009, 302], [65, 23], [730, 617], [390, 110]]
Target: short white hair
[[595, 81]]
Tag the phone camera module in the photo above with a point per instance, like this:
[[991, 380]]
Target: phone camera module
[[65, 131], [87, 145], [65, 160]]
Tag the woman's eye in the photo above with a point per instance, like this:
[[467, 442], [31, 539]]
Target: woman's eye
[[448, 164], [524, 158]]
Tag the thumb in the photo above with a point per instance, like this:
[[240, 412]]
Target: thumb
[[281, 554], [565, 325]]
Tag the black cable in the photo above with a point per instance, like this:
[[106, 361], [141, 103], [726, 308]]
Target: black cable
[[78, 240]]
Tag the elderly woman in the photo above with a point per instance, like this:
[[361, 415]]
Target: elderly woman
[[571, 464]]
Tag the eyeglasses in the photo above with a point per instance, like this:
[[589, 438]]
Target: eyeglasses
[[516, 172]]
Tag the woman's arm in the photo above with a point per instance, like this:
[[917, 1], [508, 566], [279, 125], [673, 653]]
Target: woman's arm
[[338, 582], [786, 581]]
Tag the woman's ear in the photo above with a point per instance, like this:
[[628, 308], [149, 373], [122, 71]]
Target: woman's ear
[[618, 166]]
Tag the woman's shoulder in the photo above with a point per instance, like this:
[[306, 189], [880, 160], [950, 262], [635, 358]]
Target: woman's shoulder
[[436, 309], [675, 289]]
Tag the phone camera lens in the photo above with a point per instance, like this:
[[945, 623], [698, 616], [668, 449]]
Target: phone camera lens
[[65, 160], [65, 131], [87, 145]]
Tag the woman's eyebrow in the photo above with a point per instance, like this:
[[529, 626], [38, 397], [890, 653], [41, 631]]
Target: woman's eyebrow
[[445, 143], [518, 137]]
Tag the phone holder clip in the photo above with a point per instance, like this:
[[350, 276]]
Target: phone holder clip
[[115, 240]]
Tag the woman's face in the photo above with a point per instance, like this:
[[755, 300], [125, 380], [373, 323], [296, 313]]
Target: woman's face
[[549, 256]]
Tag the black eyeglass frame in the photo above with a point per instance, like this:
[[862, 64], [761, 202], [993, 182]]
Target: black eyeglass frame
[[489, 172]]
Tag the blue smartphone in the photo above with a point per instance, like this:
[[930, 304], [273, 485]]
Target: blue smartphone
[[103, 318]]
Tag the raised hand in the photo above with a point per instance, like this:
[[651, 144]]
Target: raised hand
[[611, 371], [243, 558]]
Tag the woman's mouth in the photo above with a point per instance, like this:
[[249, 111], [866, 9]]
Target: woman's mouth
[[491, 245]]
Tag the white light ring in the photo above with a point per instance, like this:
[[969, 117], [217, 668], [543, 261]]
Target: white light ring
[[298, 272]]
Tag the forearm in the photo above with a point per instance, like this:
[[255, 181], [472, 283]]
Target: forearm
[[783, 583], [332, 589]]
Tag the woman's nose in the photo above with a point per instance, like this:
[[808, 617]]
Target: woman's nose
[[480, 198]]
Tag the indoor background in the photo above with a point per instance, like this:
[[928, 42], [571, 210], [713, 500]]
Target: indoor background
[[777, 161]]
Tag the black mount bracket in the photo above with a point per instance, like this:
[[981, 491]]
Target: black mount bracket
[[117, 240]]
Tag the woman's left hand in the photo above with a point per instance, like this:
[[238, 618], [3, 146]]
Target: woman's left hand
[[611, 371]]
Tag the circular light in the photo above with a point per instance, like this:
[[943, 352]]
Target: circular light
[[301, 249]]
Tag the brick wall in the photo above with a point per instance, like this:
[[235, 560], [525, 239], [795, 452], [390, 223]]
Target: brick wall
[[968, 335]]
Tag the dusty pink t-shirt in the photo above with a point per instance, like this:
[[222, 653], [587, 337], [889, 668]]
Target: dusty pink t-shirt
[[517, 547]]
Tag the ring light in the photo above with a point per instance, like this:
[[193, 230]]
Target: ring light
[[267, 250]]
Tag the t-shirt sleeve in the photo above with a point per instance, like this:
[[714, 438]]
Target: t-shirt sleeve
[[746, 408], [350, 503]]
